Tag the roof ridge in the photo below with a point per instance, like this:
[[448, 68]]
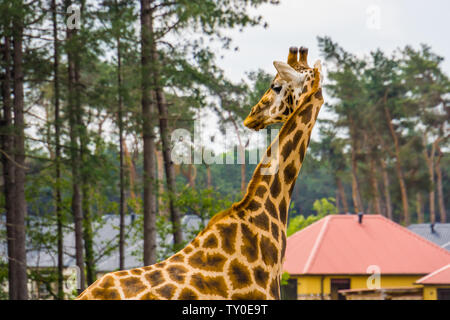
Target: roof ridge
[[316, 244], [433, 273], [415, 235]]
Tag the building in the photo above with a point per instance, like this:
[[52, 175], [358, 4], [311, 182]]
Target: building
[[438, 233], [436, 285], [42, 260], [359, 252]]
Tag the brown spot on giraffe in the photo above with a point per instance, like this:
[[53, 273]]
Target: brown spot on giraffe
[[253, 205], [177, 258], [239, 275], [228, 236], [283, 244], [251, 295], [298, 135], [275, 187], [302, 151], [188, 294], [283, 211], [275, 289], [136, 272], [261, 276], [207, 261], [261, 221], [149, 296], [274, 230], [290, 173], [270, 208], [155, 278], [132, 286], [306, 114], [209, 285], [287, 149], [211, 241], [122, 273], [105, 294], [249, 247], [260, 191], [269, 251], [177, 273], [166, 291]]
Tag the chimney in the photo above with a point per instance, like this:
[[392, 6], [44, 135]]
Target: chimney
[[360, 217], [432, 227]]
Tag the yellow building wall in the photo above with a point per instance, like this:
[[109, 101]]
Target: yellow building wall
[[430, 292], [310, 286]]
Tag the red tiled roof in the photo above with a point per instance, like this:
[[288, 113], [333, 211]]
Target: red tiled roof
[[338, 244], [440, 276]]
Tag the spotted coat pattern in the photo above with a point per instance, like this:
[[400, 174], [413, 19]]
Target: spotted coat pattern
[[239, 254]]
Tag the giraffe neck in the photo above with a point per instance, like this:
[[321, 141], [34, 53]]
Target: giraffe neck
[[292, 140]]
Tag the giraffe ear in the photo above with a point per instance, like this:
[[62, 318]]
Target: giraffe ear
[[318, 65], [285, 71]]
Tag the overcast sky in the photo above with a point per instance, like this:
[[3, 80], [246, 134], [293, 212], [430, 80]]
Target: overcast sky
[[358, 26], [351, 23]]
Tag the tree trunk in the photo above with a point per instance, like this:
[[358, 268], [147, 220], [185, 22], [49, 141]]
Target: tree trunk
[[419, 208], [9, 176], [442, 211], [88, 233], [190, 174], [58, 197], [132, 175], [398, 165], [76, 205], [375, 190], [430, 162], [175, 216], [356, 195], [160, 166], [19, 124], [148, 114], [121, 167], [342, 196], [84, 170], [387, 194], [164, 132]]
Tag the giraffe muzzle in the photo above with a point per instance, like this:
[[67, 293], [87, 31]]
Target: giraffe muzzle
[[252, 123]]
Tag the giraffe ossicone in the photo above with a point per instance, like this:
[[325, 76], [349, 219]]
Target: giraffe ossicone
[[240, 253]]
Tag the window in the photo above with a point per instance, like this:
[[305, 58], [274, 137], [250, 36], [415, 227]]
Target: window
[[336, 285], [443, 294], [289, 290]]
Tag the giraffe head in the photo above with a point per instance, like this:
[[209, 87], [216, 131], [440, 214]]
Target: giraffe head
[[293, 78]]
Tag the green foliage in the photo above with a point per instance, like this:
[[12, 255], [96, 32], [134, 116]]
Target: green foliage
[[285, 277], [325, 207], [322, 207]]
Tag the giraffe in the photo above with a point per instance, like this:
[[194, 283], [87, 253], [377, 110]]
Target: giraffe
[[239, 255]]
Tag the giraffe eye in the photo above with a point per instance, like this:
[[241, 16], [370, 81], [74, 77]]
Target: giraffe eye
[[277, 89]]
